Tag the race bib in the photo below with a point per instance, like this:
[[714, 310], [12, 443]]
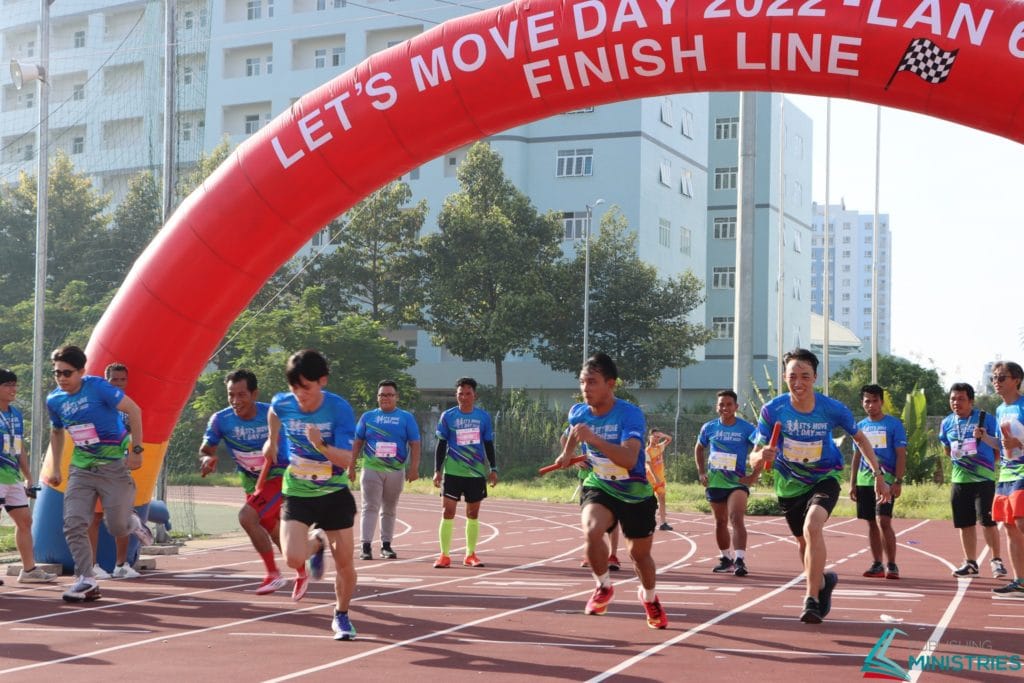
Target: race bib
[[467, 437], [720, 460], [84, 434], [386, 449], [606, 469], [878, 439], [310, 470], [249, 460], [12, 445], [801, 451]]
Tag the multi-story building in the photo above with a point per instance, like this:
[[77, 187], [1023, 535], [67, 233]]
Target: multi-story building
[[852, 269]]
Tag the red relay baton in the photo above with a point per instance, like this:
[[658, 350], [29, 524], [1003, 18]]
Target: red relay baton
[[776, 431], [547, 469]]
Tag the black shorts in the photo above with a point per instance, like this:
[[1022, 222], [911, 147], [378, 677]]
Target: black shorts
[[868, 507], [474, 489], [720, 495], [330, 512], [972, 501], [825, 494], [638, 520]]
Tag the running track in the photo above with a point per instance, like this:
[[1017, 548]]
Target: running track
[[519, 616]]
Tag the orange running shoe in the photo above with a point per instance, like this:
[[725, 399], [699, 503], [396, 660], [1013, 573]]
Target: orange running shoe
[[472, 561], [300, 586], [656, 616], [598, 602], [443, 562]]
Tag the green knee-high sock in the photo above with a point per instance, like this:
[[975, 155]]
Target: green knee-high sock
[[445, 534], [472, 533]]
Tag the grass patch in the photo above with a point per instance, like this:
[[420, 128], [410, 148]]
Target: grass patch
[[7, 539]]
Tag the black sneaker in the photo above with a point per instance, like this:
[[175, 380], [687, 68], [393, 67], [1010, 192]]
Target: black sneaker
[[811, 613], [1013, 589], [387, 553], [966, 569], [725, 565], [364, 553], [741, 567], [825, 594], [875, 571], [665, 526]]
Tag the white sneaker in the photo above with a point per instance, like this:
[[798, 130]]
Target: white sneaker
[[100, 573], [37, 575], [140, 530], [125, 571]]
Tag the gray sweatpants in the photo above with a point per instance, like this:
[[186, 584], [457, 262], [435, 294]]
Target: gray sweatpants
[[380, 492], [112, 484]]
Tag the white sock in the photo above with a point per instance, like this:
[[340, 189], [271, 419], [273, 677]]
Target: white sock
[[603, 580], [647, 594], [727, 553], [740, 554]]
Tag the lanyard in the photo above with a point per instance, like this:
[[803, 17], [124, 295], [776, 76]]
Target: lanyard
[[961, 433], [8, 422]]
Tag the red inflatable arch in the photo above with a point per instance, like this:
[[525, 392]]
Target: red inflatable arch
[[484, 73]]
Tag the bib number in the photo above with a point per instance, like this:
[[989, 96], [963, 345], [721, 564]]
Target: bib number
[[386, 449], [251, 461], [310, 470], [878, 440], [801, 451], [606, 469], [467, 437], [84, 434], [720, 460]]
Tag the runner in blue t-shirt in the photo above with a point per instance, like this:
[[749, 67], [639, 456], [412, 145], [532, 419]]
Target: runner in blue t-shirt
[[725, 474], [318, 509], [808, 466], [388, 438], [1008, 504], [243, 429], [889, 440]]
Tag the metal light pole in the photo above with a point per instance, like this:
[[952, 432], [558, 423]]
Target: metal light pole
[[20, 75], [586, 280]]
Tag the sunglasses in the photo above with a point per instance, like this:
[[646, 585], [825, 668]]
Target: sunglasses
[[63, 373], [999, 378]]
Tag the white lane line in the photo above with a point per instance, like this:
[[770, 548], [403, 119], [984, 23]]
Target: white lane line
[[796, 653], [62, 629], [1003, 628], [540, 643]]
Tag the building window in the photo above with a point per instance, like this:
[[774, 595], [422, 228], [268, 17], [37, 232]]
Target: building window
[[725, 228], [574, 162], [78, 92], [30, 48], [686, 184], [798, 289], [723, 277], [867, 253], [252, 66], [685, 240], [270, 64], [847, 253], [727, 128], [320, 58], [846, 282], [321, 5], [725, 178], [186, 75], [846, 268], [254, 9], [337, 56], [190, 20], [687, 124], [846, 296], [451, 165], [79, 39], [27, 153], [666, 112], [252, 123], [77, 145], [414, 174], [186, 131], [665, 173], [798, 242], [30, 100], [202, 17], [867, 239], [846, 310], [270, 9], [664, 238], [575, 224], [722, 326]]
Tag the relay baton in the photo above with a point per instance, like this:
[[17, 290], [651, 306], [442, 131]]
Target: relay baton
[[776, 430], [551, 468]]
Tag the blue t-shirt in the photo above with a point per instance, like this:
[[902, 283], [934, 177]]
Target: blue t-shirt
[[12, 434], [806, 452], [387, 437], [728, 447], [244, 439], [309, 472], [465, 434], [885, 435], [973, 461], [1012, 464], [623, 422], [91, 417]]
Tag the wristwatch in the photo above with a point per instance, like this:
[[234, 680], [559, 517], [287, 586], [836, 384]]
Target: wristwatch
[[137, 450]]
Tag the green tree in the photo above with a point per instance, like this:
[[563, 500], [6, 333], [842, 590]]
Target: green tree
[[17, 235], [490, 266], [898, 376], [638, 318], [205, 165], [375, 267], [137, 219]]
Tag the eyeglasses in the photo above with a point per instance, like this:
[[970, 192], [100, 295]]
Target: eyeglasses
[[999, 378], [63, 373]]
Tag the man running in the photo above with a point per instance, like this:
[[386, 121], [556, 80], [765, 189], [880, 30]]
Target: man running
[[16, 479], [90, 408], [1008, 506], [611, 432], [974, 477], [657, 441], [725, 476], [389, 440], [319, 510], [242, 427], [808, 466], [464, 456]]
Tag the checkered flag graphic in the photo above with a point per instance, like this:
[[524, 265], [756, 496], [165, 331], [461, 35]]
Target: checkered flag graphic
[[926, 59]]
